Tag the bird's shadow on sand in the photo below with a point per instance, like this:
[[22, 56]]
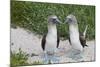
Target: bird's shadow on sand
[[74, 55]]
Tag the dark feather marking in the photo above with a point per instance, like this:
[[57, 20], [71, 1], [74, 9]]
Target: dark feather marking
[[58, 39], [43, 42], [69, 40], [82, 40]]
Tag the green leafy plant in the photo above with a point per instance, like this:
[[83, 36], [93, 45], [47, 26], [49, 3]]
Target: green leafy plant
[[19, 58]]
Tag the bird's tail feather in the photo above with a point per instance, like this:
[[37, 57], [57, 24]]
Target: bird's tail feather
[[84, 33], [86, 45]]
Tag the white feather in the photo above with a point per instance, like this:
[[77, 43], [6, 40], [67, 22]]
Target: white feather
[[74, 37], [84, 33], [51, 39]]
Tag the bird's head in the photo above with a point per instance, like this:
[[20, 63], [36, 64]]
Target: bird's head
[[53, 19], [71, 19]]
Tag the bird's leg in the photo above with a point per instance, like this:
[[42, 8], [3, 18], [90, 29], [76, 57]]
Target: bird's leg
[[45, 58]]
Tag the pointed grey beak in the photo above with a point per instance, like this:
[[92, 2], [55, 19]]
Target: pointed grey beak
[[66, 20], [58, 21]]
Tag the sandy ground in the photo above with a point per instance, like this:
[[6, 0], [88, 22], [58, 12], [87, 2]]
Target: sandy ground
[[31, 43]]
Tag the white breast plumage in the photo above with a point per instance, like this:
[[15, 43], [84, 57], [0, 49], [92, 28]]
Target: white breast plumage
[[74, 37], [51, 39]]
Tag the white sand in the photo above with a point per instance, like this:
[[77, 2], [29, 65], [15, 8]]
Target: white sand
[[31, 43]]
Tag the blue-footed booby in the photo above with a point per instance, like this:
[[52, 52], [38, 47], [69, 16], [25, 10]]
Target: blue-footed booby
[[76, 39], [50, 41]]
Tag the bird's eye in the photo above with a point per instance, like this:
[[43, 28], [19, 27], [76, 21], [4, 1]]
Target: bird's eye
[[70, 20], [54, 20]]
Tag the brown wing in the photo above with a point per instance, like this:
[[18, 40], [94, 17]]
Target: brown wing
[[58, 40], [82, 40], [69, 39], [43, 42]]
